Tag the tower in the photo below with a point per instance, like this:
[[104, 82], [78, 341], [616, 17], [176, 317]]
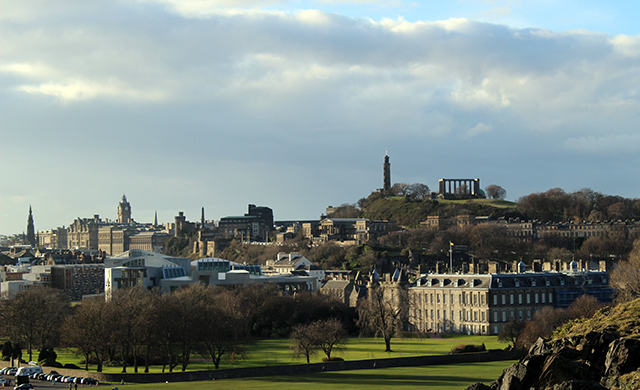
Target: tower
[[386, 173], [124, 211], [31, 230]]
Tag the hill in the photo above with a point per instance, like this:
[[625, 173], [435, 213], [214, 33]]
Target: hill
[[409, 212], [593, 354]]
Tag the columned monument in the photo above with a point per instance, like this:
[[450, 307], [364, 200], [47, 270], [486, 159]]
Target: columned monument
[[459, 187]]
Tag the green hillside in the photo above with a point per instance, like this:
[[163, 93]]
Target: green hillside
[[410, 212]]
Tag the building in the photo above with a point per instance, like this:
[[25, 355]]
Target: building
[[255, 225], [153, 270], [124, 211], [353, 231], [287, 263], [484, 303]]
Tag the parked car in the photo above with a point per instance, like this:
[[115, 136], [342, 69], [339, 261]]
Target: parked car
[[24, 386], [89, 381], [4, 382]]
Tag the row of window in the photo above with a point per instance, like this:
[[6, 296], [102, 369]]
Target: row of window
[[529, 298], [463, 299], [463, 315], [446, 327]]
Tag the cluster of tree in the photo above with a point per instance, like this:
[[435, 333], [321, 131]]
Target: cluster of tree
[[141, 327], [556, 205], [523, 333], [324, 335]]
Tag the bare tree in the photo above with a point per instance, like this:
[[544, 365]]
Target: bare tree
[[225, 328], [383, 315], [625, 279], [329, 335], [418, 190], [90, 330], [494, 191], [399, 189], [302, 341], [585, 306], [34, 317]]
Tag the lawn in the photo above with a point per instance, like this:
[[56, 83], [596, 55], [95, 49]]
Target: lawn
[[272, 352], [442, 377]]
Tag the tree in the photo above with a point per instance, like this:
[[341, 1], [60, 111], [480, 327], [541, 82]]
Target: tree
[[34, 318], [418, 191], [302, 341], [585, 306], [494, 191], [511, 331], [329, 335], [383, 315], [225, 328], [625, 279], [91, 331], [542, 325]]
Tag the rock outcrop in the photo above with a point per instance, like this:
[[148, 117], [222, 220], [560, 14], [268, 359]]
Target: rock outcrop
[[592, 361]]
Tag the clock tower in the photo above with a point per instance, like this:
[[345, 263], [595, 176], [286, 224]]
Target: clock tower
[[124, 211]]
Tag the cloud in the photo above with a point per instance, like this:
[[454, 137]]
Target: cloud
[[140, 82], [605, 145], [77, 89]]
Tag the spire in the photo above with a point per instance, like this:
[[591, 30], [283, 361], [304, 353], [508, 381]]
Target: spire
[[31, 231], [202, 217], [155, 219]]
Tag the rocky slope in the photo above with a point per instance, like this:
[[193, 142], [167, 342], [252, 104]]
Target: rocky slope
[[595, 354]]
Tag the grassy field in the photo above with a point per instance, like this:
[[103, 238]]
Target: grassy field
[[445, 377], [272, 352]]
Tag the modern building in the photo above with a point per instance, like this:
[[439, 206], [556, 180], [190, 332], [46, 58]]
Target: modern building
[[153, 270]]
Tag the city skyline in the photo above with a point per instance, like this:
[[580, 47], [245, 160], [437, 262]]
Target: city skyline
[[292, 104]]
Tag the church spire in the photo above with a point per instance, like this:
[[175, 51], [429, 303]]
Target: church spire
[[155, 220], [31, 230]]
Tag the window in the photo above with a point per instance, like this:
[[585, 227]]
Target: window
[[520, 299], [504, 316], [431, 298], [544, 297], [511, 299], [537, 298], [444, 314], [438, 313], [495, 316], [475, 300], [475, 316], [482, 299], [550, 297], [504, 299], [495, 300], [438, 298], [444, 298], [482, 315], [528, 298]]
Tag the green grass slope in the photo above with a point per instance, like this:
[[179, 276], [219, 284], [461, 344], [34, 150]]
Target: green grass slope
[[623, 318]]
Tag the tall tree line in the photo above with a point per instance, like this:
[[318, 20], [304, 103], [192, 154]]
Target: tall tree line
[[138, 327]]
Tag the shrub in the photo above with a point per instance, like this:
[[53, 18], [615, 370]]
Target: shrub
[[468, 348]]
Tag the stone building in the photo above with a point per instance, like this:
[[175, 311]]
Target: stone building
[[484, 303], [354, 231], [255, 225], [83, 233]]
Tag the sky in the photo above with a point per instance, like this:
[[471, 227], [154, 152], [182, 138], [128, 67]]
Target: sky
[[184, 104]]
